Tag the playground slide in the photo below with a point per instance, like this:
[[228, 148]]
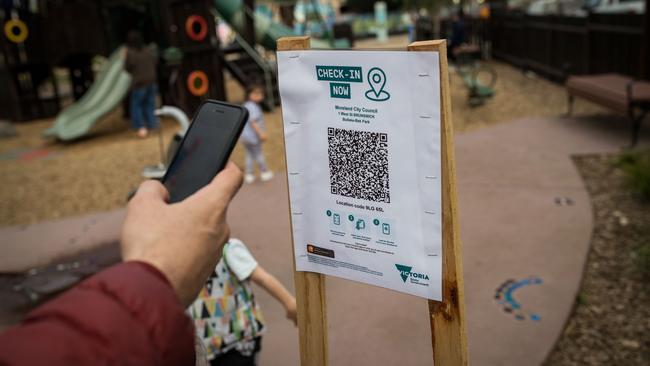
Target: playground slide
[[266, 30], [107, 92]]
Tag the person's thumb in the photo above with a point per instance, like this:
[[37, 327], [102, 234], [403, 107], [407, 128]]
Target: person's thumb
[[151, 190]]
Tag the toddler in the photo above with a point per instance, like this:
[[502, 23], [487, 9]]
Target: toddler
[[254, 135], [226, 313]]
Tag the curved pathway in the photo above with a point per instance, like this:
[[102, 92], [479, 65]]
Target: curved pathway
[[526, 216]]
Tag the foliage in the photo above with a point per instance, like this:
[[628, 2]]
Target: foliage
[[636, 166]]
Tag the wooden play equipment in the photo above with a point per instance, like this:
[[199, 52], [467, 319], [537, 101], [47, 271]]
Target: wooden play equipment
[[447, 318], [191, 24], [197, 83], [36, 37], [200, 69], [16, 30], [25, 70], [74, 32]]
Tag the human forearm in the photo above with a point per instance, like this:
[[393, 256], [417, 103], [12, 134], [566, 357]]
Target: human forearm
[[271, 285]]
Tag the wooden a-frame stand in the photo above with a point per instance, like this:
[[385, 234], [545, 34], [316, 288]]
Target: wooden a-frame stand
[[447, 318]]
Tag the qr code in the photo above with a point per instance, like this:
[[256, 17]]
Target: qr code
[[358, 164]]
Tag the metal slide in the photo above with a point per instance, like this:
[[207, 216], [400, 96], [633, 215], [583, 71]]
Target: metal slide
[[266, 30], [107, 92]]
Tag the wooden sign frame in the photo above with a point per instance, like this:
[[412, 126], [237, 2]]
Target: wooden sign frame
[[447, 318]]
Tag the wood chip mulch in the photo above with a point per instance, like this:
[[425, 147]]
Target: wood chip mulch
[[611, 321]]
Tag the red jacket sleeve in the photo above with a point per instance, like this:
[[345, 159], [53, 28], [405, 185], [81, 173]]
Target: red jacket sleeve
[[127, 314]]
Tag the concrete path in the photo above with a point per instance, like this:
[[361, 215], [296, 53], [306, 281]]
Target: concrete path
[[29, 246], [524, 212], [525, 216]]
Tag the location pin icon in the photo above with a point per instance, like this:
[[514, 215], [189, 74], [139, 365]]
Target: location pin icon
[[377, 80]]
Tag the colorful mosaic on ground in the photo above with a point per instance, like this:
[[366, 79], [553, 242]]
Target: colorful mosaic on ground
[[504, 297]]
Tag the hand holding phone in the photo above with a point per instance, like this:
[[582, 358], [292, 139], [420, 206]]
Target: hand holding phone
[[205, 149], [184, 241]]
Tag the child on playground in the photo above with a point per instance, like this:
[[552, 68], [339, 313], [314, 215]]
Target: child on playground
[[254, 135], [226, 313], [141, 64]]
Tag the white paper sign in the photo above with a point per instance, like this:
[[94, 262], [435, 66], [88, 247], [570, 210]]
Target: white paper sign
[[362, 134]]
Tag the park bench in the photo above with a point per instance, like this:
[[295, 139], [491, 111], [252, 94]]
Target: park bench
[[619, 93]]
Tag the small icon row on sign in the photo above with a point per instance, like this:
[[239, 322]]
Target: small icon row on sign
[[359, 223]]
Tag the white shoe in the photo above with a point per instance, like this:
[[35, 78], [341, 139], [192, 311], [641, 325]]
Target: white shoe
[[266, 176], [249, 178]]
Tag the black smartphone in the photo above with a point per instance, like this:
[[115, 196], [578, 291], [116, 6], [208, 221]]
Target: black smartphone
[[205, 149]]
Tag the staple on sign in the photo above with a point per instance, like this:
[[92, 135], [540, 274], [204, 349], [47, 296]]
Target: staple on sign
[[430, 212], [425, 116]]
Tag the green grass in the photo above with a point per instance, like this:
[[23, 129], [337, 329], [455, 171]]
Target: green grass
[[636, 166]]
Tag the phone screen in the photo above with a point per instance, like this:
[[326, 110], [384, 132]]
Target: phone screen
[[205, 149]]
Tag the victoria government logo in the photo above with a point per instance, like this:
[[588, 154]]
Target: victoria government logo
[[416, 278]]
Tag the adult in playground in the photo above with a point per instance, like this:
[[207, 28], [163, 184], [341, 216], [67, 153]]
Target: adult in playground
[[141, 64], [134, 312]]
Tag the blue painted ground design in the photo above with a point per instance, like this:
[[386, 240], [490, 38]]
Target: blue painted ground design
[[504, 297]]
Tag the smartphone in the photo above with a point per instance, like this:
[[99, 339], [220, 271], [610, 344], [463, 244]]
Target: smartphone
[[385, 228], [205, 149]]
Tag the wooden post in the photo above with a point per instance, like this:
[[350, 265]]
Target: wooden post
[[310, 287], [447, 318]]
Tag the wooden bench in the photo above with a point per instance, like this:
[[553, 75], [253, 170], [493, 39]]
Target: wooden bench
[[619, 93]]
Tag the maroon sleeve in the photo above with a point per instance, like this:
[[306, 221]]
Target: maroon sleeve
[[127, 314]]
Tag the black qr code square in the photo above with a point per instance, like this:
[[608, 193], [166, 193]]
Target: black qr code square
[[358, 162]]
